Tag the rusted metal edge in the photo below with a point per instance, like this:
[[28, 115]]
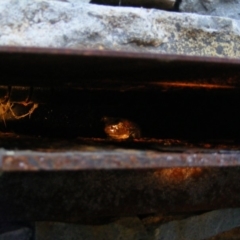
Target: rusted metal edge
[[74, 68], [112, 160], [118, 54]]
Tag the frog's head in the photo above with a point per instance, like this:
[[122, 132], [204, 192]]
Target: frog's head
[[115, 128]]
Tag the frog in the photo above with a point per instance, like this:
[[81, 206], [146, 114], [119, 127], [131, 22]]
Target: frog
[[121, 129]]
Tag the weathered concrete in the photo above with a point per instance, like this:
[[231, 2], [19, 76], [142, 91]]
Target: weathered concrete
[[125, 228], [199, 227], [81, 25], [223, 8], [18, 234]]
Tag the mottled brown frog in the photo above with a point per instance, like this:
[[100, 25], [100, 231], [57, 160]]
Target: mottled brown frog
[[116, 128]]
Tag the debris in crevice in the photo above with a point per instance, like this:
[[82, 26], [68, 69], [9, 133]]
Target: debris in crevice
[[7, 111]]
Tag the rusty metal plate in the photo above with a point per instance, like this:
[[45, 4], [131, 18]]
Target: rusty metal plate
[[73, 180], [95, 154], [66, 168], [120, 159], [88, 195], [120, 70]]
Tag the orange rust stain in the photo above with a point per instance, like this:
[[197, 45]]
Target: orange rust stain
[[178, 175], [192, 85], [207, 145]]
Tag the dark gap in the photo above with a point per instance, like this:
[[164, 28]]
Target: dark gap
[[188, 114], [162, 5]]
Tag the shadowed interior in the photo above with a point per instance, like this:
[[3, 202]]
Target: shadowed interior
[[176, 97]]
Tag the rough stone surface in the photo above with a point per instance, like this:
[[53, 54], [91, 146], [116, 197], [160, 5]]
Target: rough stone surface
[[199, 227], [81, 25], [232, 234], [223, 8], [19, 234], [126, 228], [193, 228]]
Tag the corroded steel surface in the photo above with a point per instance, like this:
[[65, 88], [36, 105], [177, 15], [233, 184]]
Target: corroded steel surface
[[95, 153], [87, 175], [116, 54], [85, 68], [112, 159], [81, 195]]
